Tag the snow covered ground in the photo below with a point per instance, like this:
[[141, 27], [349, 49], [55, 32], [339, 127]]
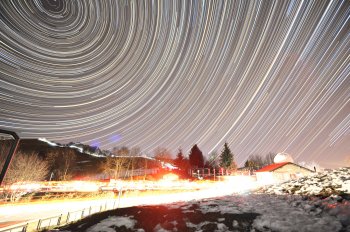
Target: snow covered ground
[[326, 183], [252, 212], [316, 203]]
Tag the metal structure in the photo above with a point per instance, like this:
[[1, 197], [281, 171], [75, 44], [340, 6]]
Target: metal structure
[[60, 220], [10, 154]]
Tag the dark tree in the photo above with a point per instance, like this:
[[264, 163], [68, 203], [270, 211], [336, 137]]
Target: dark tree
[[181, 161], [226, 157], [183, 165], [196, 157], [179, 158]]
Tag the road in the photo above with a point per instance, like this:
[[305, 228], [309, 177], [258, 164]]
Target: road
[[15, 213]]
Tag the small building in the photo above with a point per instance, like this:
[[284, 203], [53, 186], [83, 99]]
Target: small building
[[280, 172]]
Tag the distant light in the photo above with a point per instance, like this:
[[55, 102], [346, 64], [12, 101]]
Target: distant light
[[95, 144], [115, 138]]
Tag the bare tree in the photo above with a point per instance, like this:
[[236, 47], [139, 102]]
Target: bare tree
[[5, 145], [120, 151], [233, 167], [214, 159], [162, 154], [24, 168], [122, 162], [254, 162], [269, 158], [123, 151], [145, 166], [114, 167], [62, 163], [135, 151]]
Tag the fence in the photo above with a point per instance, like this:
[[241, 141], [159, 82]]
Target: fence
[[62, 219]]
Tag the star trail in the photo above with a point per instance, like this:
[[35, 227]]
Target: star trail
[[264, 76]]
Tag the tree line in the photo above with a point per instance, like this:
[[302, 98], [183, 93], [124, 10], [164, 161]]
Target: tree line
[[60, 164], [255, 161], [196, 160], [30, 166]]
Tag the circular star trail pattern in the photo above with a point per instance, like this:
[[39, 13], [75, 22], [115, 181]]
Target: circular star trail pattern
[[261, 75]]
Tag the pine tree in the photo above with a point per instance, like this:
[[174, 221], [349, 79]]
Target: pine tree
[[179, 158], [226, 157], [196, 157]]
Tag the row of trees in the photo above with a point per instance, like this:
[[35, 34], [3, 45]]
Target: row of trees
[[58, 164], [122, 160], [196, 159], [30, 166], [255, 162], [225, 159]]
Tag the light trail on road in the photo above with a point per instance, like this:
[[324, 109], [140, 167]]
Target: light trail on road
[[204, 189]]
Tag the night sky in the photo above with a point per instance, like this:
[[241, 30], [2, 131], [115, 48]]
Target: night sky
[[264, 76]]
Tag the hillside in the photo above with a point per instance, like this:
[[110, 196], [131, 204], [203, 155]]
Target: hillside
[[88, 160]]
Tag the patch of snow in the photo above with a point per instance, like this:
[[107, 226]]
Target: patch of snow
[[235, 224], [197, 227], [159, 228], [106, 224], [80, 149], [280, 213], [84, 161], [345, 186], [48, 142], [222, 227]]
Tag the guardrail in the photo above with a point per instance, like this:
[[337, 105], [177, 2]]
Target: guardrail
[[60, 220]]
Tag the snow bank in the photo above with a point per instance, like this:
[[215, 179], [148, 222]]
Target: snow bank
[[277, 213], [327, 193], [326, 183]]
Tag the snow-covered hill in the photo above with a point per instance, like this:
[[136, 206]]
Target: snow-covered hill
[[82, 148]]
